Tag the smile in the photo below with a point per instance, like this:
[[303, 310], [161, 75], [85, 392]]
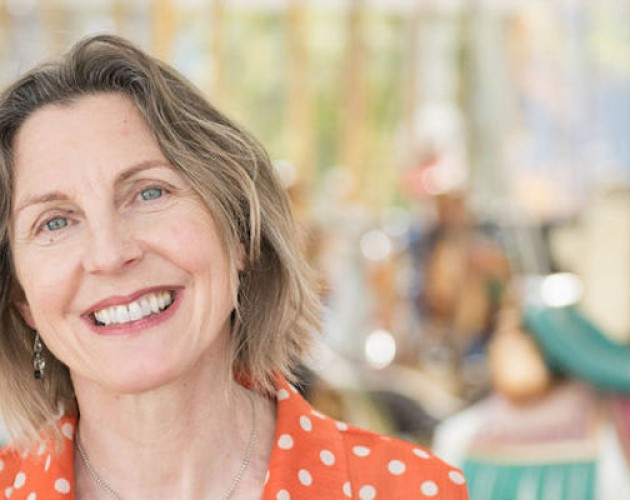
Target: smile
[[146, 306]]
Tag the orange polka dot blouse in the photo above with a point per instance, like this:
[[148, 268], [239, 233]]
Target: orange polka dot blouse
[[314, 457]]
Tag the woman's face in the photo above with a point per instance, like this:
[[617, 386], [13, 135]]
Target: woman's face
[[123, 269]]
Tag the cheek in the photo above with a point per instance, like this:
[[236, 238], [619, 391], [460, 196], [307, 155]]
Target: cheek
[[196, 247], [45, 276], [195, 244]]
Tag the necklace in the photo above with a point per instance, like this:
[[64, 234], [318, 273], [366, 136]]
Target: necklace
[[247, 456]]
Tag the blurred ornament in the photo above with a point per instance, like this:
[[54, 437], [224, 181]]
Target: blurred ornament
[[561, 289], [517, 367], [376, 245], [380, 349]]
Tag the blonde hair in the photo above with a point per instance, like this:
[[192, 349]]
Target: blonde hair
[[277, 306]]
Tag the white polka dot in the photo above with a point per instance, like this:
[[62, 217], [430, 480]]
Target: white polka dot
[[267, 477], [285, 442], [47, 464], [62, 486], [305, 477], [420, 453], [41, 449], [429, 489], [342, 426], [67, 430], [20, 479], [292, 387], [367, 492], [282, 395], [347, 489], [32, 496], [361, 451], [457, 477], [327, 457], [396, 467], [305, 423], [8, 492], [318, 414], [283, 495]]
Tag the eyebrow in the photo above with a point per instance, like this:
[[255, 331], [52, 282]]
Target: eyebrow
[[139, 167], [120, 179]]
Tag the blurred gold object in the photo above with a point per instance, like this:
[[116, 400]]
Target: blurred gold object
[[164, 27], [517, 368], [217, 40], [300, 116], [353, 99]]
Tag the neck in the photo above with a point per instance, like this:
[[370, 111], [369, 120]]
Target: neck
[[186, 439]]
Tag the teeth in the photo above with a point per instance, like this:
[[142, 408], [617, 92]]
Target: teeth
[[145, 307], [155, 307], [135, 311], [122, 314], [150, 304]]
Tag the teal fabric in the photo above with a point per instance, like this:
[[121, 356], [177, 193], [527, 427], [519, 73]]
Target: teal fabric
[[573, 345], [566, 481]]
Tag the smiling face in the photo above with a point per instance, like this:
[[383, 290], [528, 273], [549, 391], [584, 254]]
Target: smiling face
[[123, 269]]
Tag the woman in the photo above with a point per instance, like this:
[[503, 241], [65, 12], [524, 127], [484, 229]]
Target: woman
[[154, 303]]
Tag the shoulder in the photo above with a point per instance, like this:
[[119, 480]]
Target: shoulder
[[11, 465], [377, 462], [44, 469], [315, 456], [10, 460]]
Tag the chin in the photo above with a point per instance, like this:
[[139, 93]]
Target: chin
[[140, 380]]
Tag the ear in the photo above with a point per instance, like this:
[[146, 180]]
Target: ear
[[18, 299], [25, 311]]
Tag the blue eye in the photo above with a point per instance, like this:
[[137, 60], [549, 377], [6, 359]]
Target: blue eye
[[151, 193], [56, 223]]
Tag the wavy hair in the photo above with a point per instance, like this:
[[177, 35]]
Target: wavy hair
[[277, 305]]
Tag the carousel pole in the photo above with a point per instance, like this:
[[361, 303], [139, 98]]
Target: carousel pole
[[410, 83], [6, 35], [51, 16], [300, 103], [484, 98], [217, 66], [119, 14], [353, 102], [164, 24]]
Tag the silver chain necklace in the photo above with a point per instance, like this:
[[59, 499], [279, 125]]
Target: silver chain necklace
[[111, 493]]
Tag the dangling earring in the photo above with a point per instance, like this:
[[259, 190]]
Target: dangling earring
[[39, 362]]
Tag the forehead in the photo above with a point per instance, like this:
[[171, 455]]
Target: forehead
[[88, 120], [94, 135]]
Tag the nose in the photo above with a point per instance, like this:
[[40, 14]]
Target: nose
[[111, 247]]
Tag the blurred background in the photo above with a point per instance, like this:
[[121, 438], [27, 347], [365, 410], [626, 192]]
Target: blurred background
[[461, 174]]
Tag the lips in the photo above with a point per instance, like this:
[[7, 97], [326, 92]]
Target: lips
[[136, 308], [146, 306]]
